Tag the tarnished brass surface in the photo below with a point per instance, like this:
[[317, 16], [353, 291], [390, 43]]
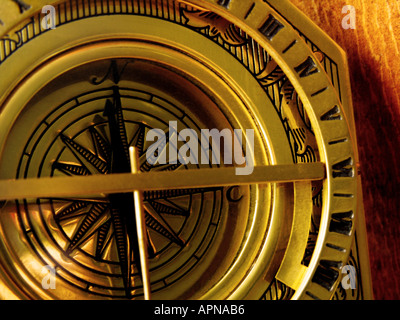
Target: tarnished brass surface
[[78, 95]]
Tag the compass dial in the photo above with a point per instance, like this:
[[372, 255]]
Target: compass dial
[[108, 74], [84, 127], [87, 232]]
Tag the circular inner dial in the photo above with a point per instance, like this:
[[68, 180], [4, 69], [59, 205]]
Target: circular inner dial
[[95, 112]]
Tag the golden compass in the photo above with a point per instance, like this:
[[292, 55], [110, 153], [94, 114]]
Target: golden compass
[[85, 81]]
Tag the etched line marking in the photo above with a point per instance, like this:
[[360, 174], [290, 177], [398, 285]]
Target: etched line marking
[[289, 46], [250, 11]]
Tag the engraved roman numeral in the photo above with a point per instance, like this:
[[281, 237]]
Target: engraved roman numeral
[[311, 295], [271, 27], [224, 3], [250, 11], [342, 223], [22, 5], [327, 273], [335, 247], [337, 141], [343, 169], [307, 68], [289, 46], [343, 195], [333, 114], [319, 92]]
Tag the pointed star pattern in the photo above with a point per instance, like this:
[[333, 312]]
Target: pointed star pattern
[[103, 220]]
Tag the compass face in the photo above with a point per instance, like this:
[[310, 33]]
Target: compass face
[[83, 230], [79, 95], [83, 133]]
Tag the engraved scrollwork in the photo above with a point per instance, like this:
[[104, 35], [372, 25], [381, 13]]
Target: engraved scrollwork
[[291, 110], [214, 24], [277, 291], [299, 125], [9, 44]]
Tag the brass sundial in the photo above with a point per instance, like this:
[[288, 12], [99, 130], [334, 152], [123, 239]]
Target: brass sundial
[[75, 99]]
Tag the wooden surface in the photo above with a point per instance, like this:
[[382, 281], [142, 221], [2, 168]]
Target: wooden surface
[[373, 50]]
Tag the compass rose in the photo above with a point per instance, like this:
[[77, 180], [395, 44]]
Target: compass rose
[[112, 217]]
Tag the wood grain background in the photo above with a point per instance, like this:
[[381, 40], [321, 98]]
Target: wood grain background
[[373, 50]]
